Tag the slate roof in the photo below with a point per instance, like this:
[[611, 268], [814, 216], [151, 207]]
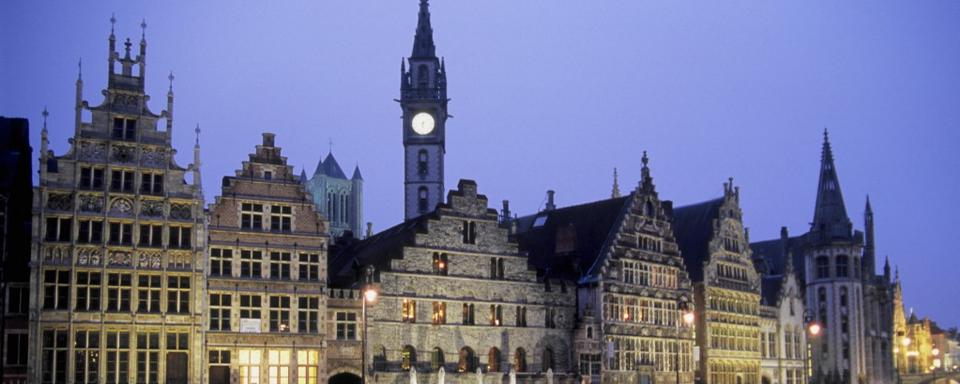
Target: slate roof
[[773, 253], [356, 173], [693, 227], [377, 250], [330, 167], [770, 289], [593, 224]]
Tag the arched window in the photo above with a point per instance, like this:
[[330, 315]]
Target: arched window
[[467, 360], [823, 267], [648, 209], [843, 266], [589, 333], [422, 162], [843, 296], [822, 303], [379, 358], [436, 360], [493, 360], [520, 360], [422, 201], [408, 357], [547, 358], [440, 263]]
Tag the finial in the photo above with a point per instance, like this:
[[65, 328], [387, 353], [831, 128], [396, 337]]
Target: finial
[[45, 114], [197, 132], [113, 22], [616, 184], [644, 159], [170, 77], [330, 142], [127, 45], [80, 69], [143, 29]]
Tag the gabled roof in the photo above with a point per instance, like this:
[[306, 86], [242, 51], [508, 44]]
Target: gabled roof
[[770, 286], [693, 227], [375, 250], [589, 226], [775, 252], [330, 168]]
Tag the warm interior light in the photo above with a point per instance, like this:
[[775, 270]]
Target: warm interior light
[[814, 329], [442, 265], [370, 295], [905, 341], [688, 318], [936, 351]]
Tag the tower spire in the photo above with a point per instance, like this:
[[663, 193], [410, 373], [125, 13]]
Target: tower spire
[[830, 218], [423, 41], [869, 248], [616, 185], [112, 53], [196, 164]]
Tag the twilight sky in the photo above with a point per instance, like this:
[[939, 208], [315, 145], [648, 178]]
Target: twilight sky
[[553, 95]]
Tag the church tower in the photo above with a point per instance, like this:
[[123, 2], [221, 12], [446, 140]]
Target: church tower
[[834, 288], [423, 99]]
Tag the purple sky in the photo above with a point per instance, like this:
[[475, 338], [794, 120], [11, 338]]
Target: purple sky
[[553, 95]]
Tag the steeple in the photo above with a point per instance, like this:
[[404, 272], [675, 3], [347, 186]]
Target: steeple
[[356, 173], [616, 185], [78, 101], [196, 163], [886, 269], [423, 41], [830, 220], [869, 248]]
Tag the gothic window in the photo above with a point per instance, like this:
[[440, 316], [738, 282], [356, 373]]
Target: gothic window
[[408, 357], [493, 360], [547, 358], [148, 293], [436, 359], [178, 294], [822, 303], [648, 209], [124, 129], [422, 162], [55, 348], [440, 263], [496, 315], [91, 178], [589, 333], [251, 216], [280, 218], [121, 233], [151, 235], [468, 314], [118, 357], [550, 320], [521, 320], [496, 268], [221, 262], [422, 200], [220, 312], [823, 267], [119, 287], [467, 360], [250, 263], [308, 316], [439, 312], [86, 348], [520, 360], [91, 232], [148, 356], [151, 183], [279, 313], [423, 75], [58, 229], [843, 266], [88, 291], [121, 181], [469, 232], [408, 311]]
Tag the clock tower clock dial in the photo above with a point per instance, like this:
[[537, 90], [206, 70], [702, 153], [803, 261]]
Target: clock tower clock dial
[[423, 100]]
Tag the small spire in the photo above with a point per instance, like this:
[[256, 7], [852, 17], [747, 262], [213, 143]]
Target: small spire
[[868, 210], [197, 131], [113, 22], [616, 185], [45, 114], [80, 69], [330, 142], [126, 48], [143, 30], [170, 77]]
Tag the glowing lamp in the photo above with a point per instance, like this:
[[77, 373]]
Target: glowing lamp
[[814, 329], [370, 295]]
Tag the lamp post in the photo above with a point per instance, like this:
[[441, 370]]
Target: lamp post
[[813, 329], [688, 317], [369, 294]]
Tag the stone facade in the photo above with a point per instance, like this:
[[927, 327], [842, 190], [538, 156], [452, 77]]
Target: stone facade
[[266, 295], [783, 339], [456, 293], [118, 238], [726, 285]]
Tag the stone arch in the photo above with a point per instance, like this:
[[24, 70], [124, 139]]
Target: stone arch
[[344, 377]]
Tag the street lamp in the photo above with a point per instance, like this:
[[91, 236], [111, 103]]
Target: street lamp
[[688, 317], [813, 329], [369, 293]]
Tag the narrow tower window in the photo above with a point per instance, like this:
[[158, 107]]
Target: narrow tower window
[[422, 158], [422, 200]]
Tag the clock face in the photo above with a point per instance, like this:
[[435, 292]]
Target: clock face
[[422, 123]]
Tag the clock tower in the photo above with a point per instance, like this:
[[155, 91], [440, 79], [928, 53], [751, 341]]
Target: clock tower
[[423, 99]]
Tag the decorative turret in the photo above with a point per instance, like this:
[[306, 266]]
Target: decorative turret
[[78, 101], [869, 247], [169, 111], [646, 181], [196, 163], [886, 269], [616, 185], [423, 40], [830, 220]]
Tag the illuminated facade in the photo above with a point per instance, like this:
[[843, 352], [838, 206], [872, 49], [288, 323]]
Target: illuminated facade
[[783, 337], [117, 260], [716, 251], [266, 294]]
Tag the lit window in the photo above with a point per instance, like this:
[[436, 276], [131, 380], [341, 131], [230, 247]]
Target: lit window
[[278, 366], [250, 366], [468, 314], [439, 312], [440, 263], [496, 315], [408, 311], [308, 363], [408, 357]]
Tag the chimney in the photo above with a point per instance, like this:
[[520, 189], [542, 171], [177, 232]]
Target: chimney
[[505, 212], [369, 230], [550, 206]]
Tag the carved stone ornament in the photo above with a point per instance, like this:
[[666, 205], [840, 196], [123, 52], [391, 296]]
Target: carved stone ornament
[[126, 102], [151, 208], [120, 258], [180, 211], [149, 260], [93, 152], [91, 203], [89, 256], [124, 155], [122, 205], [60, 201], [152, 158]]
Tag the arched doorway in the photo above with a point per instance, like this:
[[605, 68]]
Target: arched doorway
[[344, 378], [764, 380]]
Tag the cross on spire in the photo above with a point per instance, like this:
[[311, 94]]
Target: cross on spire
[[170, 77], [143, 29]]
